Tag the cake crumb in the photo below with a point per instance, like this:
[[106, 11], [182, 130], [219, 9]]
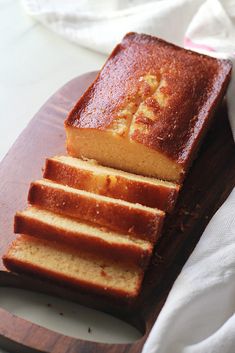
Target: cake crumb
[[182, 227], [103, 273], [131, 229], [157, 259]]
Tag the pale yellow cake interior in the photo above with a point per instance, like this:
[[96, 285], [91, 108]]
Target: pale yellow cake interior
[[101, 172], [99, 198], [67, 224], [113, 150], [75, 265]]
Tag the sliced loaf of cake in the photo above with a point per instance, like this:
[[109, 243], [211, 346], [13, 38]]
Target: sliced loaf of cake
[[92, 177], [119, 215], [47, 225], [74, 267]]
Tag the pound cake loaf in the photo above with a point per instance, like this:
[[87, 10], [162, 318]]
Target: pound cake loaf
[[92, 177], [84, 236], [148, 109], [119, 215], [75, 268]]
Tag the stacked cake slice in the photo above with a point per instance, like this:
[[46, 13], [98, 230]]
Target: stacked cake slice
[[90, 226], [71, 266], [119, 215], [48, 225], [111, 182]]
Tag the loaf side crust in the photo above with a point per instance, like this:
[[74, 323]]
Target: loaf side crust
[[118, 215], [108, 245], [112, 183]]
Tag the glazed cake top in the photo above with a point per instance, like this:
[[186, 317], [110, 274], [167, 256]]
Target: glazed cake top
[[154, 93]]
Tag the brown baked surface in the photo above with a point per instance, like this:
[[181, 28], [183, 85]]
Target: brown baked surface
[[50, 226], [110, 182], [122, 216], [152, 93]]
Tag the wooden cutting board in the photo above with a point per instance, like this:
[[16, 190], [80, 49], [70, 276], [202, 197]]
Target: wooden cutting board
[[210, 181]]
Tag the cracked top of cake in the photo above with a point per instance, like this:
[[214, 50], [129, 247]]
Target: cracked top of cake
[[154, 93]]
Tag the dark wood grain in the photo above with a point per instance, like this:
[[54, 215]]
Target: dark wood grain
[[208, 184]]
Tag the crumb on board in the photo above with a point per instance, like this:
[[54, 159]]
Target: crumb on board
[[157, 259]]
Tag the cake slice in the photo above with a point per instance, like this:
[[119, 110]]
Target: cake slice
[[73, 267], [119, 215], [148, 109], [45, 224], [111, 182]]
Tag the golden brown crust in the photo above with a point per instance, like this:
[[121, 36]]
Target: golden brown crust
[[125, 219], [123, 251], [187, 87], [158, 196], [19, 266]]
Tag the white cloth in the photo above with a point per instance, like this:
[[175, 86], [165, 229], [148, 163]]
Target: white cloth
[[198, 316]]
